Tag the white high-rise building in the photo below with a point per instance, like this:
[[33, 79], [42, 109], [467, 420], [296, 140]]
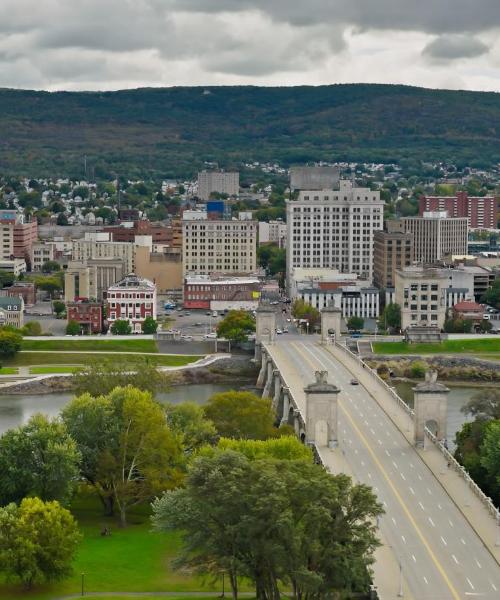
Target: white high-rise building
[[224, 182], [334, 229], [273, 232]]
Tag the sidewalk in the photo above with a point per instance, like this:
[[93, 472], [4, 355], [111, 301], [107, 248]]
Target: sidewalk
[[455, 486]]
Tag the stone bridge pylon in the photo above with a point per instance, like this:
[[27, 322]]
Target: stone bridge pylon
[[431, 408], [321, 412]]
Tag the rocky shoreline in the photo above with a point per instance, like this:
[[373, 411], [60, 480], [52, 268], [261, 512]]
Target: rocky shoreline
[[239, 369]]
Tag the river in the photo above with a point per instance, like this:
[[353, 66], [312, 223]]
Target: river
[[17, 409]]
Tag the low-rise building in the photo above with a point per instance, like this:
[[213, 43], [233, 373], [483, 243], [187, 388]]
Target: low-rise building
[[354, 301], [12, 311], [91, 278], [89, 315], [24, 289], [392, 250], [14, 265], [41, 253], [163, 268], [471, 311], [131, 299], [220, 294], [273, 232]]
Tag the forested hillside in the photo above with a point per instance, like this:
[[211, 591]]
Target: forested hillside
[[171, 131]]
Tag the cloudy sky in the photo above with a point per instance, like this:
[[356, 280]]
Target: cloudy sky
[[113, 44]]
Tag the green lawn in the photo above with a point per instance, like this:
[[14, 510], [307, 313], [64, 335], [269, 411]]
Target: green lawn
[[129, 560], [24, 359], [92, 345], [8, 371], [49, 370], [479, 346]]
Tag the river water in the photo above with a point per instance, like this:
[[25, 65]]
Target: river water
[[17, 409]]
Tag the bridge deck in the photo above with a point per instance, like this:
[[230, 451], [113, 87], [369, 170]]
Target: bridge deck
[[441, 556]]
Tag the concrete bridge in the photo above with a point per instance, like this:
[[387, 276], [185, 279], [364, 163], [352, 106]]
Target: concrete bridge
[[440, 534]]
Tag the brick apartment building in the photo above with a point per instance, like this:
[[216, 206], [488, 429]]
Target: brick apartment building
[[168, 235], [89, 315], [392, 250], [131, 299], [482, 211], [16, 237], [217, 294]]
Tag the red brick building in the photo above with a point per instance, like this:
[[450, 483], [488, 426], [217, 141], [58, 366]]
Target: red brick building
[[132, 299], [89, 315], [482, 211], [217, 294], [169, 235], [25, 289]]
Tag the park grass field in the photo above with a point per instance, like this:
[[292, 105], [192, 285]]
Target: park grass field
[[131, 559], [92, 345], [8, 371], [55, 369], [42, 359], [476, 346]]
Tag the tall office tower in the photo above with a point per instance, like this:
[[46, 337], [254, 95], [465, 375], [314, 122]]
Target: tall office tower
[[314, 178], [482, 211], [223, 246], [334, 229], [435, 235], [224, 182], [391, 251]]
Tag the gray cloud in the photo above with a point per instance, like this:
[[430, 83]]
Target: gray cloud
[[453, 47], [115, 43]]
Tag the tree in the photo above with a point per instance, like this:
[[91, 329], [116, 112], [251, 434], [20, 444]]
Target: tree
[[73, 328], [236, 326], [485, 326], [101, 376], [6, 278], [32, 328], [484, 405], [121, 327], [418, 369], [59, 306], [49, 284], [391, 316], [278, 522], [492, 295], [490, 457], [272, 258], [62, 219], [10, 343], [355, 323], [129, 452], [50, 266], [149, 326], [241, 415], [38, 459], [287, 447], [302, 310], [38, 541], [188, 421]]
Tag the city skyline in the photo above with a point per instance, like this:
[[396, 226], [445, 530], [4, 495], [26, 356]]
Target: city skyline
[[111, 44]]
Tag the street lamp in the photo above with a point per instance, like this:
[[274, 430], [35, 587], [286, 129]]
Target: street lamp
[[83, 583], [400, 593]]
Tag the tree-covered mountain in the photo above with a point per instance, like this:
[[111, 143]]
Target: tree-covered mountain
[[171, 131]]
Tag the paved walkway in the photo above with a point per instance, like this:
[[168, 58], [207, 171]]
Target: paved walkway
[[456, 487]]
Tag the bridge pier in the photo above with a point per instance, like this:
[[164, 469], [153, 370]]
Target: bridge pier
[[285, 415], [277, 389], [431, 408], [261, 379], [265, 326], [269, 379], [330, 324], [321, 412]]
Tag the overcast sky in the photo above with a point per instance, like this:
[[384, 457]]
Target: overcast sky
[[113, 44]]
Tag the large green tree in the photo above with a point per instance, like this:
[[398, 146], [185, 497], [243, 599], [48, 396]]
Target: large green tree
[[38, 459], [129, 452], [278, 522], [241, 415], [236, 326], [485, 404], [10, 343], [121, 327], [490, 456], [38, 541], [303, 310], [492, 295], [391, 316], [355, 323], [188, 420]]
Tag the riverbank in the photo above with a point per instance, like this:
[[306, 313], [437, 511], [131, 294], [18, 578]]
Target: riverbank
[[225, 370]]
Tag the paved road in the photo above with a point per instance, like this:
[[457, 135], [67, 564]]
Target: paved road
[[442, 558]]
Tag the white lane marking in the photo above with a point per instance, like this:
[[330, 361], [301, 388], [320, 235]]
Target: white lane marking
[[420, 477], [371, 429], [379, 442], [411, 465], [478, 563], [393, 520], [431, 521], [455, 559], [429, 492], [403, 453], [387, 434], [493, 586], [387, 452], [355, 451], [394, 465], [463, 541], [411, 490], [421, 505], [413, 557], [394, 443], [470, 583], [425, 579], [369, 475], [450, 522], [403, 477], [362, 463], [440, 507], [344, 430], [366, 422], [444, 541], [404, 539]]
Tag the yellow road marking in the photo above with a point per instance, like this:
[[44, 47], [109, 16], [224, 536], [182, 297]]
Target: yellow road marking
[[394, 490]]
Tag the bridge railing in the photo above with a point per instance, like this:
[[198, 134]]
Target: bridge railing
[[455, 465], [396, 397]]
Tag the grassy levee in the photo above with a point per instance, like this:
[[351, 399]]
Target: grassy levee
[[92, 345], [474, 346], [41, 359]]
